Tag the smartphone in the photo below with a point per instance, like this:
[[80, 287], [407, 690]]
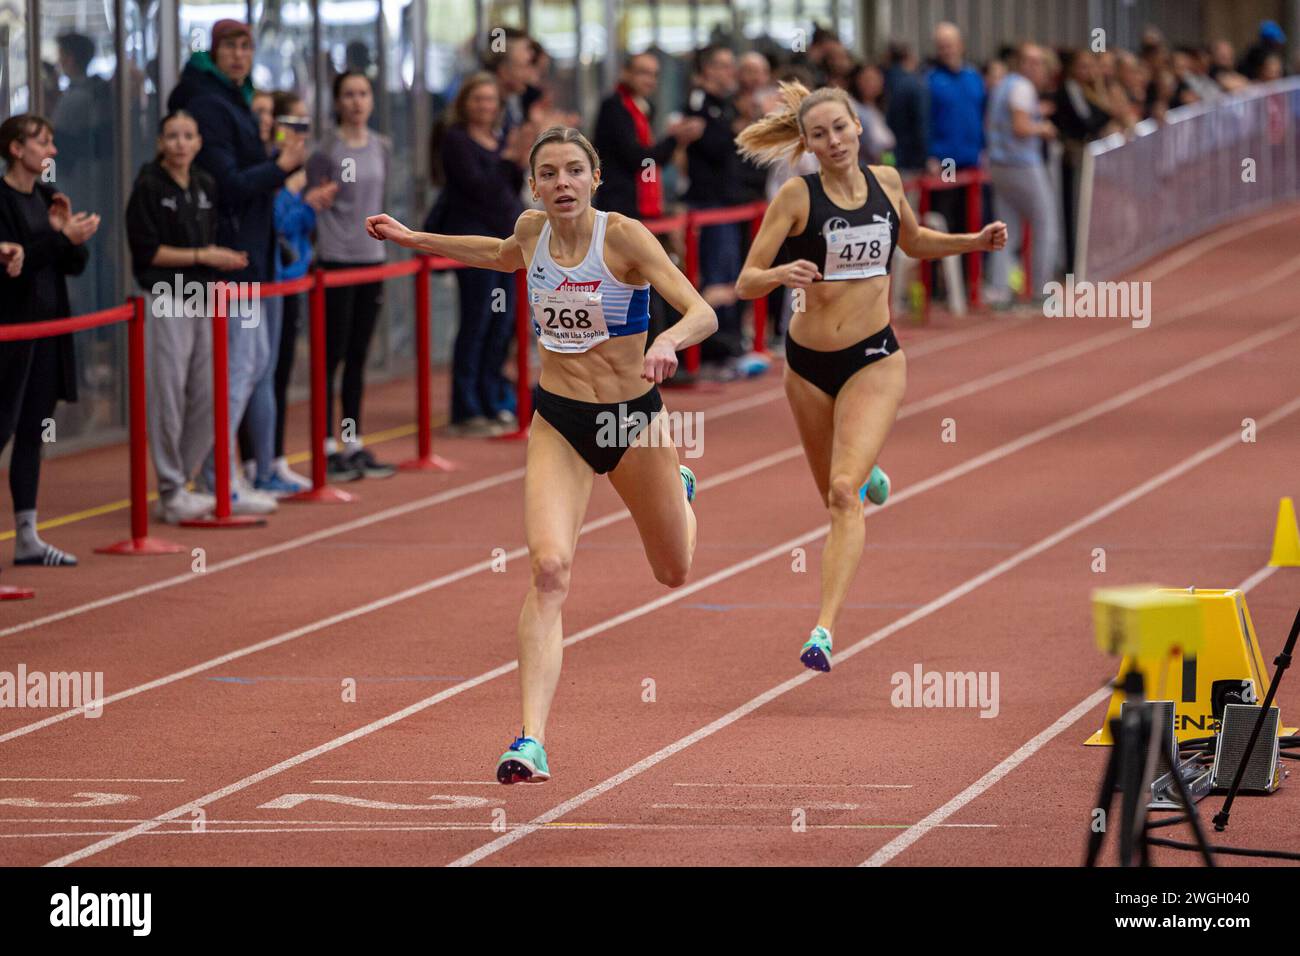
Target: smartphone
[[295, 124]]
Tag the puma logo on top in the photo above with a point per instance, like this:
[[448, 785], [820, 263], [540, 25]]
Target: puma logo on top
[[879, 351], [887, 218]]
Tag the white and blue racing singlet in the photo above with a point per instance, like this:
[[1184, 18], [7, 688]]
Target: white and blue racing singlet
[[577, 308]]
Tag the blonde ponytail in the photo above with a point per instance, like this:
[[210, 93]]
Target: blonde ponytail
[[779, 134]]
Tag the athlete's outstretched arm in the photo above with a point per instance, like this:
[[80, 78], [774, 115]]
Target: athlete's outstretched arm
[[481, 252], [922, 243], [758, 278], [636, 243]]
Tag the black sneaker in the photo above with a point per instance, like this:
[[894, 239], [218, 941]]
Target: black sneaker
[[365, 463], [339, 467]]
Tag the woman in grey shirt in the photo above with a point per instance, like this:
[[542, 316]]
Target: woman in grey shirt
[[357, 158]]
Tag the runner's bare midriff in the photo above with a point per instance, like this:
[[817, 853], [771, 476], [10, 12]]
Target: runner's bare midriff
[[606, 373], [839, 314]]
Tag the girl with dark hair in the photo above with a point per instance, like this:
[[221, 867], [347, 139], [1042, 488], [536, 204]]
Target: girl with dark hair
[[35, 374], [480, 178], [171, 227], [356, 158], [598, 408]]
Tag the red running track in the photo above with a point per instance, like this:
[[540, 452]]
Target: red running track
[[227, 739]]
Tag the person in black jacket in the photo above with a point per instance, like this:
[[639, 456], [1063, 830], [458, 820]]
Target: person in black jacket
[[215, 88], [716, 179], [171, 225], [38, 372], [632, 160], [480, 178]]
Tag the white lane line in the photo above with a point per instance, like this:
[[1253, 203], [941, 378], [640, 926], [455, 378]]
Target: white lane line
[[1208, 243], [463, 783], [794, 451], [1002, 451], [949, 597], [566, 826], [793, 786], [744, 807], [92, 780], [901, 842], [1259, 577]]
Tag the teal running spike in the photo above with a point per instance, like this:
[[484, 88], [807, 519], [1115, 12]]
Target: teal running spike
[[688, 482], [524, 762], [876, 490], [817, 652]]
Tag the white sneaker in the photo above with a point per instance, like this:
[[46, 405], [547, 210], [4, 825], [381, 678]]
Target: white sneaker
[[292, 477], [248, 501], [250, 471], [185, 505]]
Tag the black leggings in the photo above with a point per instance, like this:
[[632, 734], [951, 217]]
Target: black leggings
[[351, 313], [24, 408]]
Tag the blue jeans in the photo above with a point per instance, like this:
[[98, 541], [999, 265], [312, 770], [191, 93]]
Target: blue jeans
[[249, 356], [260, 417], [720, 262], [478, 387]]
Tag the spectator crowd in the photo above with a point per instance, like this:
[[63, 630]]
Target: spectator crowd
[[243, 189]]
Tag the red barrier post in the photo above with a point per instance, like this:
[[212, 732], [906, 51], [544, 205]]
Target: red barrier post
[[760, 304], [425, 459], [320, 491], [523, 343], [139, 542], [693, 274], [974, 220], [221, 421]]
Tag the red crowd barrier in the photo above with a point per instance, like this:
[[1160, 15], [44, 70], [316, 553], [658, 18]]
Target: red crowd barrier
[[972, 180], [132, 313]]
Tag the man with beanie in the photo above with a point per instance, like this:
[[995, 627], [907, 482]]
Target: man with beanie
[[215, 89]]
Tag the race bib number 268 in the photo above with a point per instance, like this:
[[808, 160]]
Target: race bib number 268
[[569, 321]]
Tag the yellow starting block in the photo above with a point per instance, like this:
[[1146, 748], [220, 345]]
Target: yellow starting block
[[1194, 646]]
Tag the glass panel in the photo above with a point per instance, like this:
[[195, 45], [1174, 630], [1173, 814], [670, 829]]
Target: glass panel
[[13, 56], [282, 57], [451, 53], [81, 85]]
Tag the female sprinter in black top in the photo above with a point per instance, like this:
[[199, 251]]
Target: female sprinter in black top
[[589, 276], [845, 374]]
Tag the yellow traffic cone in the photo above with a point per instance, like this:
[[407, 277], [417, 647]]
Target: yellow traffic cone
[[1286, 539]]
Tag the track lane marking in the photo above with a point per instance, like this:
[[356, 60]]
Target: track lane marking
[[1126, 397], [904, 840]]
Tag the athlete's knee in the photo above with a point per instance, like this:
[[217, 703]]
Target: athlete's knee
[[672, 574], [842, 497], [551, 573]]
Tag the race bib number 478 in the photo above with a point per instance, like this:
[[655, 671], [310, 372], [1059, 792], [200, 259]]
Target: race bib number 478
[[569, 321], [859, 252]]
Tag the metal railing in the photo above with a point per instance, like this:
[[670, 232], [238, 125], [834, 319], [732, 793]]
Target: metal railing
[[1209, 163]]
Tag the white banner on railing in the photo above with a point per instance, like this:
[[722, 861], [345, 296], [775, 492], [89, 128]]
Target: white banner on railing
[[1208, 164]]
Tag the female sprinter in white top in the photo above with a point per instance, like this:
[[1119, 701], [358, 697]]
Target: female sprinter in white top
[[597, 405], [845, 374]]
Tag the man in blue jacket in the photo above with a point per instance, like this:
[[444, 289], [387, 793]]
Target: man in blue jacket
[[215, 89], [956, 120]]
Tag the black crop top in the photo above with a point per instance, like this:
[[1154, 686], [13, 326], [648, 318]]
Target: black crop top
[[861, 241]]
